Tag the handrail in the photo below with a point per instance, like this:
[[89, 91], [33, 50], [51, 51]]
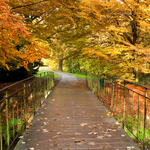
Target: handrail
[[127, 105], [17, 107]]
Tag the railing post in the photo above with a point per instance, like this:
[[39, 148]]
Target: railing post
[[145, 116], [17, 112], [98, 85], [24, 93], [132, 109], [44, 85], [34, 95], [40, 90], [86, 80], [7, 117], [124, 103], [1, 137], [13, 117], [138, 117], [112, 96]]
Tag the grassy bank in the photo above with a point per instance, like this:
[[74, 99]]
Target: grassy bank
[[42, 74], [81, 76]]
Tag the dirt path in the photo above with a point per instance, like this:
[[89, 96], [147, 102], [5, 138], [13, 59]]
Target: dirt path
[[72, 118]]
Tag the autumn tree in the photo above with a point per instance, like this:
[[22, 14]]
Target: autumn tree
[[17, 47], [125, 25], [54, 21]]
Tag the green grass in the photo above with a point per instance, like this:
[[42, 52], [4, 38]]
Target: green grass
[[56, 76], [42, 74], [81, 76]]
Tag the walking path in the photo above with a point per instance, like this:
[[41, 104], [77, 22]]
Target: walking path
[[72, 118]]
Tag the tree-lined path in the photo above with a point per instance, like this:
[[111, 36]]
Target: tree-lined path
[[72, 118]]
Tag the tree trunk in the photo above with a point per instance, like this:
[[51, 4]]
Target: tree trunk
[[60, 67], [29, 74], [136, 74]]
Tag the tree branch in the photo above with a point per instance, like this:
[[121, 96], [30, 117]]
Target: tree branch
[[30, 4]]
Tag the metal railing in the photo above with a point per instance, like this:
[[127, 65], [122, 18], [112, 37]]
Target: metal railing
[[128, 102], [19, 103]]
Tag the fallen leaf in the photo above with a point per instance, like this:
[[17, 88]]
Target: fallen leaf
[[90, 132], [59, 133], [56, 136], [27, 127], [100, 137], [117, 123], [78, 141], [44, 123], [83, 124], [45, 130], [91, 143], [78, 133]]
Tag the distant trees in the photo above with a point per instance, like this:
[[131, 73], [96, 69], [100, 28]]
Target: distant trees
[[67, 29]]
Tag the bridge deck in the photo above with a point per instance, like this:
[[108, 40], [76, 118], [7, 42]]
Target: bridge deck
[[74, 119]]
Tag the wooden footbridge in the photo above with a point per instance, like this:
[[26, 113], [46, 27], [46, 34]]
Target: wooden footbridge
[[66, 117]]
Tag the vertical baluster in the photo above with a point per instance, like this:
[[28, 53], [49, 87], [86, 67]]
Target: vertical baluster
[[138, 119], [7, 118], [98, 85], [117, 100], [44, 84], [128, 106], [132, 110], [120, 102], [17, 113], [107, 94], [34, 96], [47, 79], [24, 97], [13, 117], [48, 82], [112, 96], [27, 101], [1, 137], [124, 110], [21, 112], [145, 116], [114, 93], [40, 90], [53, 80]]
